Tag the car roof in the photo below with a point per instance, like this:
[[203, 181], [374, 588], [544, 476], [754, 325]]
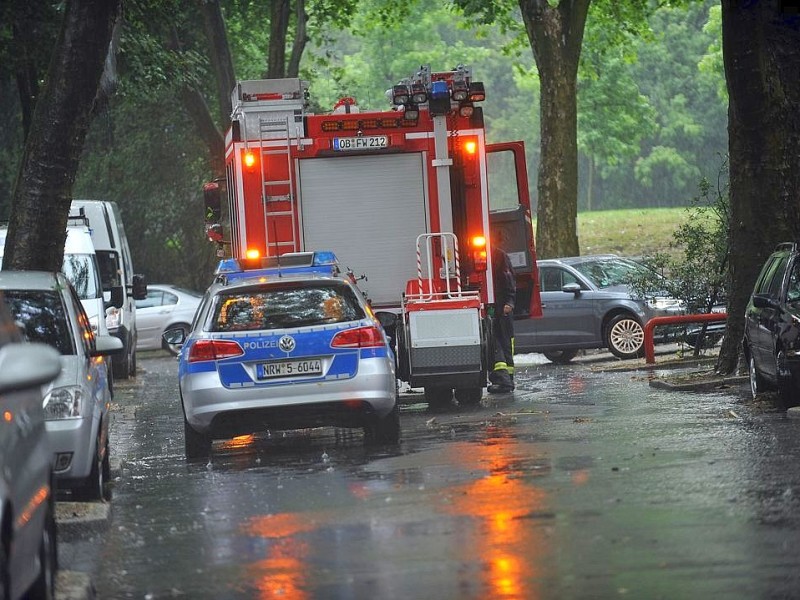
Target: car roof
[[576, 260], [274, 280], [31, 280]]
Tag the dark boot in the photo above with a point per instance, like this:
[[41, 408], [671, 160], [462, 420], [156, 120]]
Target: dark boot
[[502, 383]]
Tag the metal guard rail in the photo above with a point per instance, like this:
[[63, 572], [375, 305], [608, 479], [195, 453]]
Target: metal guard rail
[[649, 349]]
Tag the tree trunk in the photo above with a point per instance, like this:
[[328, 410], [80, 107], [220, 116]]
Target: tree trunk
[[220, 56], [300, 40], [556, 35], [43, 189], [278, 27], [762, 68], [26, 76], [196, 106]]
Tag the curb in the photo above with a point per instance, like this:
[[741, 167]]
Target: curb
[[705, 385], [74, 585], [81, 519]]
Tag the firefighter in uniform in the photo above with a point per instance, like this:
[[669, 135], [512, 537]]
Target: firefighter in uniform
[[505, 291]]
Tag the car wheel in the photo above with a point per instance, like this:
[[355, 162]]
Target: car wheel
[[470, 396], [756, 381], [5, 577], [385, 430], [45, 585], [625, 336], [94, 488], [560, 357], [173, 348], [787, 383], [438, 397], [132, 361], [197, 445], [121, 363]]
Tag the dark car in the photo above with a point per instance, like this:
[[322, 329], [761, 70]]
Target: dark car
[[588, 303], [772, 326]]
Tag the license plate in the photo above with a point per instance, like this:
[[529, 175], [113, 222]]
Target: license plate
[[290, 368], [365, 142]]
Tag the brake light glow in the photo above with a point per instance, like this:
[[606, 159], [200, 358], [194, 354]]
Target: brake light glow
[[478, 241], [203, 350], [361, 337], [252, 254], [249, 159], [470, 146]]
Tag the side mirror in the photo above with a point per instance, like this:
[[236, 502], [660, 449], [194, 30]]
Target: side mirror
[[117, 296], [26, 366], [174, 337], [764, 301], [388, 321], [212, 199], [139, 287], [106, 345], [572, 288]]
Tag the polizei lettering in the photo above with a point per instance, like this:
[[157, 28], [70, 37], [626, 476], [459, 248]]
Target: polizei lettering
[[260, 345]]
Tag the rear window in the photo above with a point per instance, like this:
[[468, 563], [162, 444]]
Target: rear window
[[280, 307], [41, 317]]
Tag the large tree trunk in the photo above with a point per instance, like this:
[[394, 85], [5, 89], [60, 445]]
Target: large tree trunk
[[300, 39], [220, 56], [556, 35], [278, 28], [43, 189], [762, 67]]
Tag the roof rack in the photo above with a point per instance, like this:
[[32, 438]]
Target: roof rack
[[77, 217]]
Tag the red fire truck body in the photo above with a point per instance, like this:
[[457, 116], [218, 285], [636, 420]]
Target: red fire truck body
[[401, 197]]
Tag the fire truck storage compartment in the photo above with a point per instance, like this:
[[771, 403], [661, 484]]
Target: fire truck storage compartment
[[368, 210], [444, 342]]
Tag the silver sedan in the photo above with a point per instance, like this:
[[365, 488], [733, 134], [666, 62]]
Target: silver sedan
[[165, 307]]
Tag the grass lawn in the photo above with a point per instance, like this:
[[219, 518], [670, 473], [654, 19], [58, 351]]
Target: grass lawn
[[629, 232]]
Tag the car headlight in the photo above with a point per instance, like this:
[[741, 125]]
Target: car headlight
[[664, 303], [112, 318], [63, 403]]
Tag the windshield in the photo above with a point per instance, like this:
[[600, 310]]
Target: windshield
[[81, 270], [41, 317], [285, 307], [610, 272]]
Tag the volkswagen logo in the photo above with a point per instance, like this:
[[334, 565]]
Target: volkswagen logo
[[286, 343]]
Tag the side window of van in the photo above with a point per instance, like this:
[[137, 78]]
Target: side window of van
[[109, 269]]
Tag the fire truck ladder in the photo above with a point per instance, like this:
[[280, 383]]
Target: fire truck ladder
[[275, 139]]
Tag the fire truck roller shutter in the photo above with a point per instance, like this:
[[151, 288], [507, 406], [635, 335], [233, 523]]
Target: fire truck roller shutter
[[369, 210]]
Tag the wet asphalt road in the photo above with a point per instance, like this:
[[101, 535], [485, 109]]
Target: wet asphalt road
[[585, 484]]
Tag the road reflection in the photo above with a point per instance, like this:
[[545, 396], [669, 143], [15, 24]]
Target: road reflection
[[510, 549]]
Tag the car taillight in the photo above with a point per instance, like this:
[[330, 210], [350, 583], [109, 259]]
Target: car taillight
[[203, 350], [362, 337]]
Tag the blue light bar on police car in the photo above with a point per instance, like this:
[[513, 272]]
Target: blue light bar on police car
[[291, 263]]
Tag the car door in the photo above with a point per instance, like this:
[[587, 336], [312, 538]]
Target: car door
[[152, 314], [762, 322], [567, 317]]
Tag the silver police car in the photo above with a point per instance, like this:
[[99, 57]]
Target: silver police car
[[287, 346]]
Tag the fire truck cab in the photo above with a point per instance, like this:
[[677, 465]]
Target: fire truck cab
[[401, 196]]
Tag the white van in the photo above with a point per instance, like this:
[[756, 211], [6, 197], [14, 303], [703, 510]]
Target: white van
[[81, 268], [121, 287]]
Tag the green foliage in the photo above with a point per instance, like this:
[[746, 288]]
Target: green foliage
[[699, 272]]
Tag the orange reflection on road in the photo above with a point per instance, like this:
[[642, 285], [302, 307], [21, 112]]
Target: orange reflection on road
[[239, 442], [509, 545], [282, 573]]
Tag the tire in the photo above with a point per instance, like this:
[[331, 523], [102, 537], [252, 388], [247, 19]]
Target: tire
[[44, 588], [470, 396], [197, 445], [788, 390], [560, 357], [757, 384], [172, 348], [625, 336], [95, 488], [132, 360], [438, 397], [5, 576], [384, 430], [121, 363]]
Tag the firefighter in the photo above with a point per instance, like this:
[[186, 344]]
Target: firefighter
[[505, 291]]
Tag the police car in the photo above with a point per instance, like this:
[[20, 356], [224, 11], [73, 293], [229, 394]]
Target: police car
[[289, 345]]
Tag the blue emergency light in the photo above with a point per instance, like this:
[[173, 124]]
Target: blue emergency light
[[292, 263]]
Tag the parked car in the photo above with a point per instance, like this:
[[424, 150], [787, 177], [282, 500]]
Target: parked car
[[28, 556], [587, 303], [284, 348], [165, 307], [772, 326], [48, 310]]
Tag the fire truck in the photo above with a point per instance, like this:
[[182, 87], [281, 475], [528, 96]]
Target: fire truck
[[401, 196]]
